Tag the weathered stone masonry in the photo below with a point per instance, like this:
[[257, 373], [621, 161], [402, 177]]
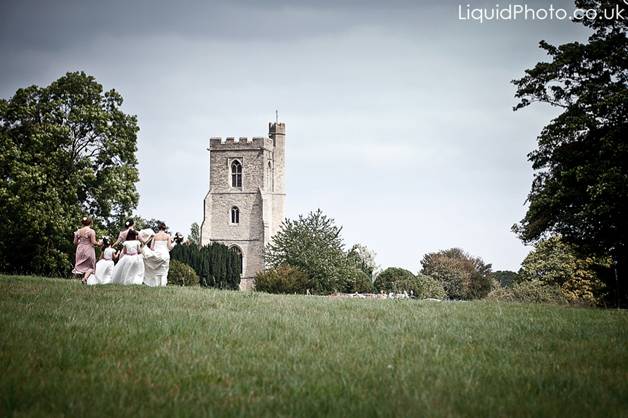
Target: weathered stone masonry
[[258, 199]]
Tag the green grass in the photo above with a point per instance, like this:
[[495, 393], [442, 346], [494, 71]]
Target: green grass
[[71, 350]]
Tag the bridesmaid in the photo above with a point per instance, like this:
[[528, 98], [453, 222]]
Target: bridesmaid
[[157, 258], [122, 236], [85, 240]]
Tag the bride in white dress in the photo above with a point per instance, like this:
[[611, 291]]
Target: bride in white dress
[[157, 257], [130, 268]]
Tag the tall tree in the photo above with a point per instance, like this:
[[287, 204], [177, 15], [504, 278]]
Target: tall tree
[[195, 234], [68, 150], [580, 187], [313, 245], [364, 259], [462, 275]]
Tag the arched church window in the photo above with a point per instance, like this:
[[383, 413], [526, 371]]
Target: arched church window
[[238, 251], [235, 215], [236, 174]]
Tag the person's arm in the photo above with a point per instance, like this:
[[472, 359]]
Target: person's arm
[[76, 237], [92, 235], [170, 245], [119, 241]]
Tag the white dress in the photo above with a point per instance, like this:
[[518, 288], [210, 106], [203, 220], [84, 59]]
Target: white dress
[[104, 268], [130, 268], [156, 264]]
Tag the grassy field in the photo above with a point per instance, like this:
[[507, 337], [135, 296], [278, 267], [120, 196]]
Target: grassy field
[[70, 350]]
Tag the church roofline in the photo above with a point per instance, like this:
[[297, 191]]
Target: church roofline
[[253, 142]]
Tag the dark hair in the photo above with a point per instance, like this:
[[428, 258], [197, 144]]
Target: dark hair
[[161, 226], [129, 222], [105, 242], [86, 221], [131, 235]]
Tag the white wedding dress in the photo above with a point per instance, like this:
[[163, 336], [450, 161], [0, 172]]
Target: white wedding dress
[[130, 268], [156, 264], [104, 268]]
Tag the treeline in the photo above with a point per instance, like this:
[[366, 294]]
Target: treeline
[[307, 256]]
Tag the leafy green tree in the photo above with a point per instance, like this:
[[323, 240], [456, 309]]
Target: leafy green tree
[[356, 280], [505, 278], [580, 186], [68, 151], [385, 281], [313, 245], [142, 223], [555, 263], [195, 234], [364, 258], [430, 287], [462, 276]]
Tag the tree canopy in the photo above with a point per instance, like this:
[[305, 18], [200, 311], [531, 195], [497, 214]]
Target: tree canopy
[[462, 275], [555, 263], [313, 245], [580, 186], [195, 234], [68, 150]]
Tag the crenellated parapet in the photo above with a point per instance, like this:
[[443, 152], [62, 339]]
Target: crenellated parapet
[[256, 142]]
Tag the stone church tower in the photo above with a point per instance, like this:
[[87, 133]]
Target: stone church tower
[[245, 203]]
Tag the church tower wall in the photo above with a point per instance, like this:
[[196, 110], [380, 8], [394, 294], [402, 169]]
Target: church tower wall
[[257, 195]]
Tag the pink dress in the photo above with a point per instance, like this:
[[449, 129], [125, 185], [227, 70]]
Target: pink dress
[[85, 253]]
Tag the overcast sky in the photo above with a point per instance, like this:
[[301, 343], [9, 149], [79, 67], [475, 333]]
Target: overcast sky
[[398, 115]]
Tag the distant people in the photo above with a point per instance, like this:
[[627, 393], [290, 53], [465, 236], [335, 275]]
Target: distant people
[[104, 266], [130, 267], [85, 240], [157, 257]]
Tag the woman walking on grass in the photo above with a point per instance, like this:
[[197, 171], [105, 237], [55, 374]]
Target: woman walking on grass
[[85, 240], [157, 257]]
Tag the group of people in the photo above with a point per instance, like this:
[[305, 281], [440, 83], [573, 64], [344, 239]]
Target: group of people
[[143, 259]]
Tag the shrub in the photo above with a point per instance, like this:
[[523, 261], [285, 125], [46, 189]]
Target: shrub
[[462, 275], [556, 263], [410, 285], [533, 291], [588, 291], [282, 279], [358, 281], [180, 274], [386, 279], [430, 288]]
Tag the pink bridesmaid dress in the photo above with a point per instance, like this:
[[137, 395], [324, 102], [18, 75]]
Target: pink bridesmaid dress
[[85, 253]]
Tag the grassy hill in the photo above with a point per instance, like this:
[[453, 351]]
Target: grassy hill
[[71, 350]]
